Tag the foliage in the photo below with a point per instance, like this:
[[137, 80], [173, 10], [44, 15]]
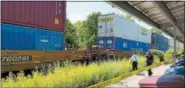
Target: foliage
[[169, 51], [180, 51], [92, 26], [129, 17], [81, 32], [156, 30], [75, 76], [70, 33], [169, 54], [159, 54], [86, 30]]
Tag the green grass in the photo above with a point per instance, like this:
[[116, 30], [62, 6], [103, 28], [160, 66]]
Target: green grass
[[75, 76]]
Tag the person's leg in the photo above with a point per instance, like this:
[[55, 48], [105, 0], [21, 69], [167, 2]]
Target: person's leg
[[133, 66], [136, 65], [150, 72]]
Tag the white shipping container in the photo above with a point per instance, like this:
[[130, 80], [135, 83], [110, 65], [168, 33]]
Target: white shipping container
[[114, 25], [145, 35], [171, 43], [125, 29], [105, 27], [179, 45]]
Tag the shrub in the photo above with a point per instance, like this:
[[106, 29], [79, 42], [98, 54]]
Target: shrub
[[159, 54], [169, 51], [75, 75], [179, 52]]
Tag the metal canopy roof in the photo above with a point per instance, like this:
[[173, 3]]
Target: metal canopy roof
[[166, 16]]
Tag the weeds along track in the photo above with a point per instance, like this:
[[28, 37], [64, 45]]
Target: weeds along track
[[49, 67]]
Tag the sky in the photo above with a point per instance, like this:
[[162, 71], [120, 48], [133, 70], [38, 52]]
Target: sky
[[80, 10]]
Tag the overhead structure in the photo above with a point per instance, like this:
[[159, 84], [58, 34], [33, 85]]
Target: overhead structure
[[164, 15]]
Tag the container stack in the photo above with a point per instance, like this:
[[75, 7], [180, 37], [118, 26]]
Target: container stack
[[115, 32], [33, 25], [159, 42], [179, 45]]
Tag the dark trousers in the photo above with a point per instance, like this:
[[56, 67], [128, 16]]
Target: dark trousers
[[149, 70], [134, 65]]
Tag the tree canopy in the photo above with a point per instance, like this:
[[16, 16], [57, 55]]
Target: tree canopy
[[156, 30], [129, 17], [82, 33]]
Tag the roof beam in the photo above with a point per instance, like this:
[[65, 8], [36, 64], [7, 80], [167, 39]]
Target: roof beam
[[148, 9], [170, 34], [164, 9], [178, 8], [139, 3], [156, 16], [166, 25], [125, 6]]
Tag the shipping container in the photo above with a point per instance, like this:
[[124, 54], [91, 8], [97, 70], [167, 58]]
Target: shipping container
[[159, 39], [145, 35], [16, 37], [179, 45], [118, 43], [160, 47], [106, 25], [112, 25], [41, 14]]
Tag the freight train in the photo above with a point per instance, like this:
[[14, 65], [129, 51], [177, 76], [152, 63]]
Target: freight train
[[115, 32], [33, 35]]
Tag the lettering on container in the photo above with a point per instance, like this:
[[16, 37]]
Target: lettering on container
[[16, 58], [44, 40], [125, 45], [109, 19], [144, 31]]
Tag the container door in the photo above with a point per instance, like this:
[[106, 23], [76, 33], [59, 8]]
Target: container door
[[102, 42], [52, 39], [62, 41], [125, 45], [109, 26], [118, 43], [39, 39], [4, 36], [109, 41]]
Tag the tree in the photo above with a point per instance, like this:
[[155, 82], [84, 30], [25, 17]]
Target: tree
[[129, 17], [86, 30], [92, 26], [81, 32], [70, 33], [156, 30]]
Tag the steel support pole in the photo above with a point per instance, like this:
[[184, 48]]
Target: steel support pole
[[184, 46], [174, 43]]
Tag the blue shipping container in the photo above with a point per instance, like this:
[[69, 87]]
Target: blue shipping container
[[159, 39], [106, 42], [16, 37], [162, 47], [118, 43]]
